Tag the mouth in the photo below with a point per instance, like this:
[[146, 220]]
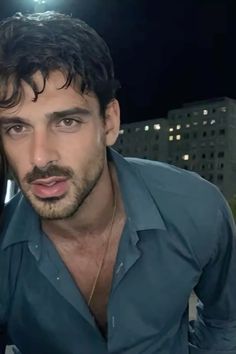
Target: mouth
[[50, 187]]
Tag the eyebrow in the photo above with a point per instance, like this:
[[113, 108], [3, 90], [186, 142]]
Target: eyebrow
[[69, 112], [5, 120]]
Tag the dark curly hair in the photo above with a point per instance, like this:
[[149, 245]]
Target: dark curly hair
[[53, 41]]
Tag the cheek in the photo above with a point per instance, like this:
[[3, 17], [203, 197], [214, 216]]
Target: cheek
[[17, 164]]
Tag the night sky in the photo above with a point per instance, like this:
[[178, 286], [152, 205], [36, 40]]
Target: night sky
[[166, 52]]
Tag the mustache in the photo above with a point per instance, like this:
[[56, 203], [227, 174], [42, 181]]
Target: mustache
[[46, 172]]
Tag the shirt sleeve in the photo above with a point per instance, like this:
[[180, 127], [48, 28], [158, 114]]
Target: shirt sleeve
[[214, 331]]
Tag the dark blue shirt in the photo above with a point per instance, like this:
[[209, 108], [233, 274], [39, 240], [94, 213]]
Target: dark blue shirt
[[179, 236]]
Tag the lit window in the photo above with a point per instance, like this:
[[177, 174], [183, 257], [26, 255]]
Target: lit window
[[185, 157], [146, 128], [122, 131], [195, 113], [157, 126], [187, 125], [205, 112], [171, 138], [213, 121], [195, 123], [178, 126], [223, 109], [137, 129], [178, 137], [171, 129], [204, 122]]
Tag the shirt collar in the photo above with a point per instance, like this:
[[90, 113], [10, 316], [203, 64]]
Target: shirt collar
[[140, 207], [24, 224]]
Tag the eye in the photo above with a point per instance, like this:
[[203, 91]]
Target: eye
[[16, 130], [68, 122]]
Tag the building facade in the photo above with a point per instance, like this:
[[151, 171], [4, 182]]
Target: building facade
[[199, 136]]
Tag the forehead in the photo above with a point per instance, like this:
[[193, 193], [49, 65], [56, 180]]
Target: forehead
[[53, 97]]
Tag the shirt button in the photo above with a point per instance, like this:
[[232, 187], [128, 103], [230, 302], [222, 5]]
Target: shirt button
[[113, 322], [120, 266]]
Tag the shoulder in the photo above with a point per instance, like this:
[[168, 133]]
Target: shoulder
[[188, 204], [175, 183]]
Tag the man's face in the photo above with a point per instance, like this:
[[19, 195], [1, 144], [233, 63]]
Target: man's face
[[56, 146]]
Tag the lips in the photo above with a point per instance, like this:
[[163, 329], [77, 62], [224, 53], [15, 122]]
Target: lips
[[50, 187]]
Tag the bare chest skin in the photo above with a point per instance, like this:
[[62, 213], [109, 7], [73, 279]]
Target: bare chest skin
[[83, 263]]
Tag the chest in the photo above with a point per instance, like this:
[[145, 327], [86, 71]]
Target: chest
[[92, 272]]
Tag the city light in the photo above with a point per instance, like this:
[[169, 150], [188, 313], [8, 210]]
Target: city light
[[39, 5], [157, 126], [185, 157]]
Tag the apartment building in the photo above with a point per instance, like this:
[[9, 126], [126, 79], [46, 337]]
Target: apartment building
[[199, 136]]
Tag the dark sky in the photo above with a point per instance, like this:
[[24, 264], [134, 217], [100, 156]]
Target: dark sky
[[166, 52]]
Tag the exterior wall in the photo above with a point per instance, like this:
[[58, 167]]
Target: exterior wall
[[200, 136]]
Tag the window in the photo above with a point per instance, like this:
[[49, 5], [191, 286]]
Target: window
[[137, 129], [220, 177], [210, 166], [204, 134], [178, 126], [203, 156], [186, 136], [171, 129], [210, 178], [171, 138], [157, 126], [185, 157], [220, 166], [205, 112], [212, 121], [222, 132], [223, 109], [195, 123], [187, 125], [212, 155], [157, 137], [221, 154], [178, 137], [204, 122], [146, 128], [122, 131]]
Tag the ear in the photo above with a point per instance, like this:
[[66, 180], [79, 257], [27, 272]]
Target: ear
[[112, 122]]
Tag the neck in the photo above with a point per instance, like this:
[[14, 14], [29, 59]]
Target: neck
[[94, 214]]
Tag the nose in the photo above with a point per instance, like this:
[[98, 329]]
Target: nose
[[43, 149]]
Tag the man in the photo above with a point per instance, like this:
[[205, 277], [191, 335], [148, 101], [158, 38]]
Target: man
[[99, 254]]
